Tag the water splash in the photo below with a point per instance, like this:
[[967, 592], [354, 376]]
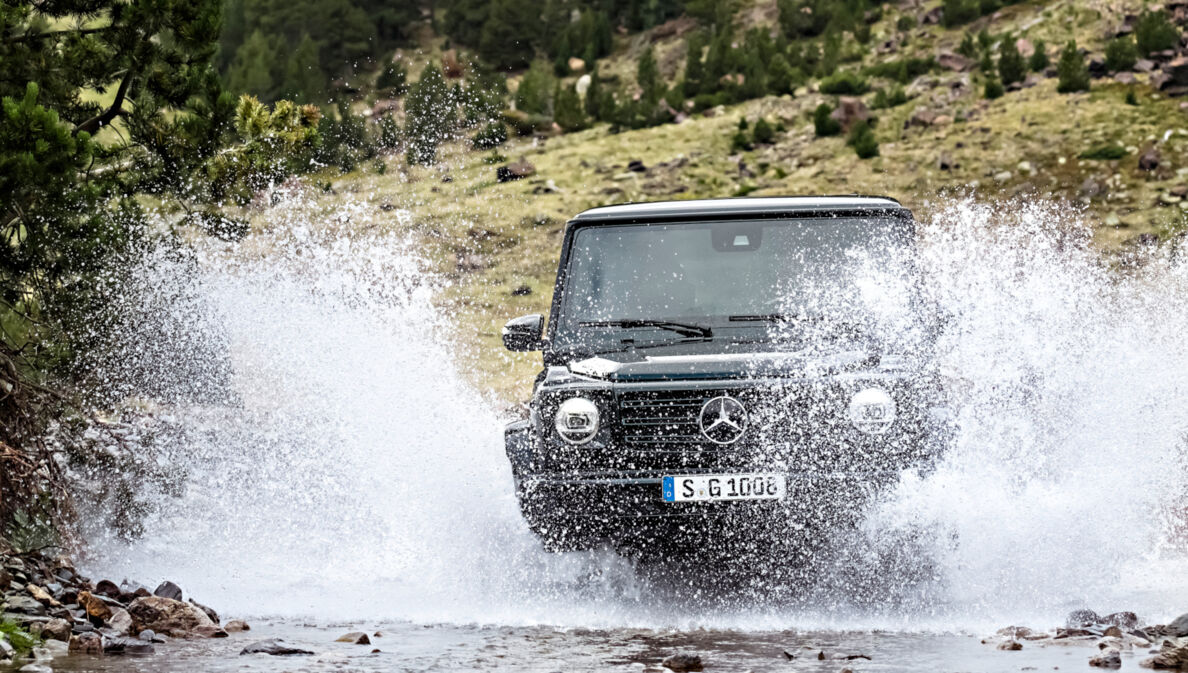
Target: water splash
[[352, 473]]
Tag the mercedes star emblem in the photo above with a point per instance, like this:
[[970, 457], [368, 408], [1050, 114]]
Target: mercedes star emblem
[[723, 420]]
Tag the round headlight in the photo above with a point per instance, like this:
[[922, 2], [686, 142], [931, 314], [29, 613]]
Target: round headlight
[[872, 411], [577, 420]]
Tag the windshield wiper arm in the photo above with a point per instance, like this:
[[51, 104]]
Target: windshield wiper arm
[[683, 328]]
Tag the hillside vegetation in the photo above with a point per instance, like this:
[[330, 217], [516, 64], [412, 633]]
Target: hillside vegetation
[[921, 107]]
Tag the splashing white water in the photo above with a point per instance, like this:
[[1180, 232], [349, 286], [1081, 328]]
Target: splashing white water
[[356, 475]]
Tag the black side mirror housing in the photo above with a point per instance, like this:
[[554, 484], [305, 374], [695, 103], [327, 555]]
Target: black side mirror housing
[[524, 333]]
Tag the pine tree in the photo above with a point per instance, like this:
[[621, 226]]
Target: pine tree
[[1011, 68], [567, 108], [532, 96], [993, 88], [863, 140], [256, 69], [430, 115], [694, 70], [509, 35], [754, 74], [1153, 32], [1120, 54], [594, 95], [1073, 73], [780, 75], [763, 133], [304, 80], [647, 76], [823, 123], [1039, 58]]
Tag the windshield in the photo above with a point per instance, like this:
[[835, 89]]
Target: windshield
[[731, 280]]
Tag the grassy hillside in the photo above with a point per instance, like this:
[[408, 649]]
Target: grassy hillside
[[499, 241]]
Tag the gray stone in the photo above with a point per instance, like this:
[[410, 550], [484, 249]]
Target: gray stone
[[6, 650], [56, 629], [1079, 619], [355, 638], [683, 662], [274, 647], [120, 621], [168, 590], [120, 645], [1179, 626], [24, 605]]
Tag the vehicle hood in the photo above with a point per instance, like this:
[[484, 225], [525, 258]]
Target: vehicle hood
[[636, 366]]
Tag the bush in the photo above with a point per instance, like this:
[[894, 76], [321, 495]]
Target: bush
[[1010, 62], [1153, 32], [1039, 59], [958, 12], [393, 79], [1131, 99], [1120, 54], [862, 139], [1074, 74], [902, 70], [763, 133], [740, 142], [993, 88], [905, 23], [968, 47], [895, 98], [823, 124], [1105, 152], [844, 84], [490, 136]]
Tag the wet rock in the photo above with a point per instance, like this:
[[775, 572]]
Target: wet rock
[[1149, 160], [6, 650], [1170, 657], [1179, 627], [168, 590], [167, 616], [147, 635], [1110, 658], [213, 631], [1010, 645], [636, 166], [97, 610], [517, 170], [120, 621], [82, 627], [42, 596], [214, 616], [1079, 619], [683, 662], [35, 668], [86, 643], [56, 629], [24, 605], [108, 588], [1113, 632], [355, 638], [236, 625], [121, 645], [274, 647]]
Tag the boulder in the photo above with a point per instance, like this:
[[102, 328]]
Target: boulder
[[213, 631], [97, 610], [56, 629], [1144, 65], [1179, 626], [1125, 77], [1176, 71], [355, 638], [274, 647], [108, 588], [1110, 658], [121, 645], [921, 117], [576, 64], [952, 61], [517, 170], [86, 643], [850, 110], [1083, 618], [1025, 47], [35, 668], [165, 615], [1170, 657], [636, 166], [6, 650], [683, 662], [1123, 620], [120, 621], [1149, 160], [24, 605], [42, 596], [1010, 645], [214, 616], [169, 590], [236, 625]]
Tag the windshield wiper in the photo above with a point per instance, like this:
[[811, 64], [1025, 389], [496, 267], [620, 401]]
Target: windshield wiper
[[683, 328], [835, 324]]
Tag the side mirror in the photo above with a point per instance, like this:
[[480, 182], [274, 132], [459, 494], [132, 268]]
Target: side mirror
[[524, 333]]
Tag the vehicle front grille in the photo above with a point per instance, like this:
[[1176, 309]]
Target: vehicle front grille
[[661, 418]]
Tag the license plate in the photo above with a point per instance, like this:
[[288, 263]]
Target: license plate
[[724, 487]]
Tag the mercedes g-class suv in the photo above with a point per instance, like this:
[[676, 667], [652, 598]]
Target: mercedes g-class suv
[[744, 371]]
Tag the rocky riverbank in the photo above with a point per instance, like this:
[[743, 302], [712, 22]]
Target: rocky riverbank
[[1109, 637], [47, 608]]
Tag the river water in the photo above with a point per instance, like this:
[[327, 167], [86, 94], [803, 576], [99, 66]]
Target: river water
[[316, 457]]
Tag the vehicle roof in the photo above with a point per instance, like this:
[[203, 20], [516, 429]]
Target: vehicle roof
[[747, 207]]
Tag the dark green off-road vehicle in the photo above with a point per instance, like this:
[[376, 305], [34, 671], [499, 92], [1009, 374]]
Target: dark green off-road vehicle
[[734, 372]]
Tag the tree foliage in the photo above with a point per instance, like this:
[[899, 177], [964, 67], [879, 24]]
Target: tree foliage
[[1072, 71], [430, 115]]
